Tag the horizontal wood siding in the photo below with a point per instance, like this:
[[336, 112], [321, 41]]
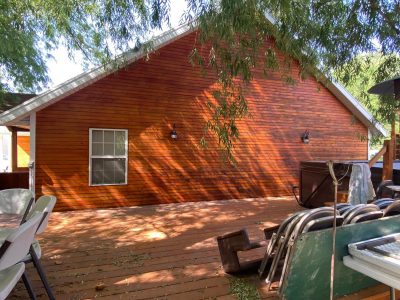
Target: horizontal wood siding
[[148, 97]]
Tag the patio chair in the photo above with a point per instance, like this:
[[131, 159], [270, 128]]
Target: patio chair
[[12, 251], [322, 223], [393, 209], [383, 202], [16, 201], [345, 213], [381, 199], [230, 244], [359, 210], [283, 243], [372, 215], [44, 205], [340, 205], [313, 220], [274, 242], [382, 191], [343, 207]]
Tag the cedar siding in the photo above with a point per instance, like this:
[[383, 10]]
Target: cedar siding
[[148, 97], [23, 151]]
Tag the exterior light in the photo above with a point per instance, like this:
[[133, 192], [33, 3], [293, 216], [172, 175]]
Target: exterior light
[[174, 134], [305, 137]]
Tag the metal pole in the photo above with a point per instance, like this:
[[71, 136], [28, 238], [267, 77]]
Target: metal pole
[[392, 294]]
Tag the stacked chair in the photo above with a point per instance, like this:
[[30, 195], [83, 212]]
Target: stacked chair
[[280, 240], [16, 202], [383, 202], [305, 221], [12, 252], [360, 213], [43, 207], [392, 209]]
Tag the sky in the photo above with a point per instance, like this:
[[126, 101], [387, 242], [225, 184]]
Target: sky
[[62, 68]]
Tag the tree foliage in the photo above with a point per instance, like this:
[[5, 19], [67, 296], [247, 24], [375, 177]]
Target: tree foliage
[[367, 75], [322, 35], [99, 30], [359, 82]]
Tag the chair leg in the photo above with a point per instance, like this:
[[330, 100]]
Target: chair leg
[[42, 275], [28, 286]]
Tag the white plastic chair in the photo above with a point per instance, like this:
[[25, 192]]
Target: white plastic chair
[[16, 201], [12, 251], [44, 205]]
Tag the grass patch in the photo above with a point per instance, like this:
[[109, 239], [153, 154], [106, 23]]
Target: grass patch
[[243, 289], [130, 259]]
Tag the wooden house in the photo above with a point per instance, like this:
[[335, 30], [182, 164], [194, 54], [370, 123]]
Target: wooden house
[[103, 138]]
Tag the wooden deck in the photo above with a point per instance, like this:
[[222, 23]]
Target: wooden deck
[[152, 252]]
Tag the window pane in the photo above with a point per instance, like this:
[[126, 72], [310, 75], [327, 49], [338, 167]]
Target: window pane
[[108, 136], [97, 177], [109, 166], [97, 164], [97, 149], [119, 149], [120, 170], [108, 149], [97, 136], [120, 137]]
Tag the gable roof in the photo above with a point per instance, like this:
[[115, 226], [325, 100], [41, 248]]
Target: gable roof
[[73, 85]]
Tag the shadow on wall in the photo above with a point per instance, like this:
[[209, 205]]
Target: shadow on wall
[[163, 170]]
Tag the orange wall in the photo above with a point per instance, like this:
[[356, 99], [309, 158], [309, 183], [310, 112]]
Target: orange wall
[[148, 97], [23, 151]]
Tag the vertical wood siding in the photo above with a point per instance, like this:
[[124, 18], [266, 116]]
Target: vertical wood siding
[[148, 97]]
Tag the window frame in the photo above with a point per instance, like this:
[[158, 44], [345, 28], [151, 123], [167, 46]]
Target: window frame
[[108, 156]]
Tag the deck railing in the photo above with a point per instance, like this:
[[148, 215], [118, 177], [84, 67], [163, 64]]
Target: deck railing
[[19, 179]]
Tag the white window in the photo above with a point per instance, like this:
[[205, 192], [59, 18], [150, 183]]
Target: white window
[[108, 156]]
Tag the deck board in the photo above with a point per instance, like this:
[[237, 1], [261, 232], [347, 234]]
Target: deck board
[[151, 252]]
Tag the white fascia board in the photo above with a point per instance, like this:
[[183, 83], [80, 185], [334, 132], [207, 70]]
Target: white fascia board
[[78, 82]]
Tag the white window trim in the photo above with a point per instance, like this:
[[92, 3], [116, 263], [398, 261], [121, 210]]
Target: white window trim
[[108, 156]]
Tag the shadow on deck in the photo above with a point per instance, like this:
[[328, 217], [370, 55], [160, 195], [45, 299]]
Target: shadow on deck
[[152, 252]]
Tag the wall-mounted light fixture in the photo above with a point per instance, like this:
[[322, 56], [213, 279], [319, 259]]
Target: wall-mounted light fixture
[[174, 134], [305, 137]]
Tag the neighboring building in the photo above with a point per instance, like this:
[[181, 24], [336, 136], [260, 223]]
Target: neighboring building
[[103, 138], [21, 154], [5, 149]]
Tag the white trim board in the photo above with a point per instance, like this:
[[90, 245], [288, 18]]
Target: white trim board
[[73, 85], [32, 152]]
